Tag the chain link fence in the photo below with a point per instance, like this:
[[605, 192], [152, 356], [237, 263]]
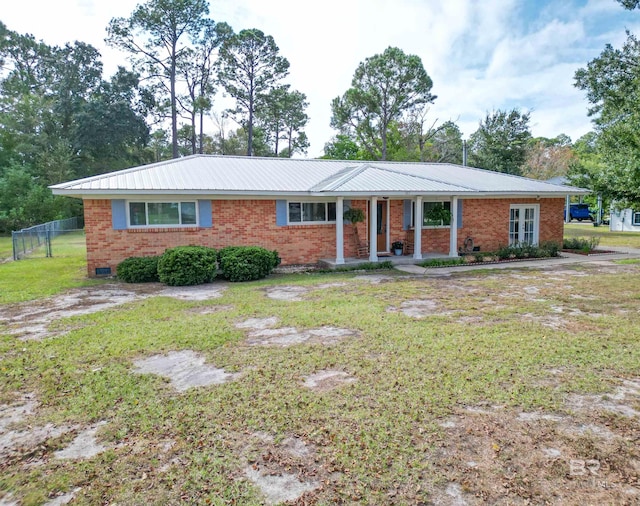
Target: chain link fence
[[39, 237]]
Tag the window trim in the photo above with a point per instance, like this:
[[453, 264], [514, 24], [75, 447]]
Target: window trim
[[161, 225], [301, 202], [412, 224], [536, 222], [635, 218]]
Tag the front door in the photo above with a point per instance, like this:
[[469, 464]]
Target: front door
[[382, 244]]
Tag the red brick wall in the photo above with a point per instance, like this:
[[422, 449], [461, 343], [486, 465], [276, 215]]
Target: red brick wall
[[487, 221], [253, 222], [235, 223]]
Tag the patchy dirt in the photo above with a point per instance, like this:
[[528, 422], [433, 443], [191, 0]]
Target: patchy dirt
[[288, 336], [279, 488], [262, 333], [22, 443], [31, 320], [16, 412], [195, 293], [84, 446], [624, 401], [257, 323], [494, 455], [328, 380], [374, 278], [64, 498], [288, 471], [288, 293], [420, 309], [185, 369]]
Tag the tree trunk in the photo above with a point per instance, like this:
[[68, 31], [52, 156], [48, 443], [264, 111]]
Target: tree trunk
[[250, 129], [201, 147], [174, 111]]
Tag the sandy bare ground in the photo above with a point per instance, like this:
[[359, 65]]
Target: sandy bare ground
[[31, 320]]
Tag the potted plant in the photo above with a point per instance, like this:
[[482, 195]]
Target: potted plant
[[397, 247]]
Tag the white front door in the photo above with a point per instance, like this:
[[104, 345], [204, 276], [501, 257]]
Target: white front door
[[524, 224]]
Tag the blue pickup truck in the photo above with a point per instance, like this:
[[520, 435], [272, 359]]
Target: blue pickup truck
[[579, 212]]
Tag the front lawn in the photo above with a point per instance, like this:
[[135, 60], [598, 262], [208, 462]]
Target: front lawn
[[6, 247], [37, 276], [484, 387], [607, 237]]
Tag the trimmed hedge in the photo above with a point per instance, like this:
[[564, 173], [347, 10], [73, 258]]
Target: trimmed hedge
[[247, 263], [138, 269], [187, 265]]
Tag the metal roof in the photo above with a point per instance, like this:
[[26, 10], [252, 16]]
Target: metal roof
[[252, 176]]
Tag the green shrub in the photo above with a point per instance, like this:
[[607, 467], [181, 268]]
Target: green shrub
[[441, 262], [586, 245], [247, 263], [550, 249], [138, 269], [187, 265]]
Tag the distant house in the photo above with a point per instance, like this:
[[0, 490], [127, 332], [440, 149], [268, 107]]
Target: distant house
[[294, 206], [624, 220]]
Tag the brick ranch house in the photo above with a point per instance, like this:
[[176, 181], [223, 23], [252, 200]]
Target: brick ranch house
[[291, 205]]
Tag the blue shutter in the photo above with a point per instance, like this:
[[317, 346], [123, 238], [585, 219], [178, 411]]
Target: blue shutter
[[119, 214], [346, 206], [204, 213], [459, 211], [406, 215], [281, 213]]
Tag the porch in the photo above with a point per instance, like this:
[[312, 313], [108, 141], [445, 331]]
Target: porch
[[387, 220]]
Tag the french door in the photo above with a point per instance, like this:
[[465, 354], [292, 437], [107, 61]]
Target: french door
[[524, 224]]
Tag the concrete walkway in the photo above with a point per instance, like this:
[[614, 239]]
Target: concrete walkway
[[543, 263]]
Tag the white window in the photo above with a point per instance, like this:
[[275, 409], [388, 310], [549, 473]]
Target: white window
[[312, 212], [162, 214], [427, 208], [636, 218], [523, 224]]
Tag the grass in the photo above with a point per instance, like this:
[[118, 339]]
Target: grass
[[483, 342], [36, 277], [607, 238], [6, 247]]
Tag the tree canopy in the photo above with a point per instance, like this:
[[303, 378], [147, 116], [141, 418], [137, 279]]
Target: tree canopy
[[384, 88], [155, 36], [501, 141], [612, 84], [250, 67]]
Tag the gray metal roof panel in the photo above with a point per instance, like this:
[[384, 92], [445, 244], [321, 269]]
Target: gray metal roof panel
[[210, 173]]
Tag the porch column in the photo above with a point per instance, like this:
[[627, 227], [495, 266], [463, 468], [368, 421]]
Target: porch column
[[339, 231], [567, 209], [453, 231], [417, 230], [373, 229]]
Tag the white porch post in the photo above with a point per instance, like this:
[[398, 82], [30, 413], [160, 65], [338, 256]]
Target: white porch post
[[417, 230], [339, 231], [373, 229], [567, 209], [453, 232]]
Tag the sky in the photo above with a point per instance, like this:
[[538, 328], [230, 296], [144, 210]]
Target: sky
[[482, 55]]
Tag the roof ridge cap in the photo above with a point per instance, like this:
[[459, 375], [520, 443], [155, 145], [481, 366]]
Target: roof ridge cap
[[350, 173], [387, 169]]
